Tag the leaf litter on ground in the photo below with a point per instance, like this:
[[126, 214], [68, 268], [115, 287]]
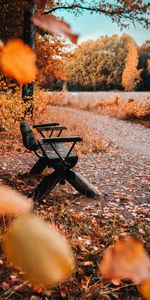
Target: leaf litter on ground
[[90, 225]]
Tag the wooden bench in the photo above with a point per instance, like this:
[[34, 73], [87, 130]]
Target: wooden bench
[[49, 128], [57, 153]]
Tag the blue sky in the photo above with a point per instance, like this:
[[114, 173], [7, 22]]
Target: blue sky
[[94, 26]]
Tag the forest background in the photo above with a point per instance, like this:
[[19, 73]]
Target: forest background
[[108, 63]]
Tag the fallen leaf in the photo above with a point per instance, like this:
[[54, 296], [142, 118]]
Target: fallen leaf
[[13, 202], [51, 24], [17, 61], [126, 259], [38, 250]]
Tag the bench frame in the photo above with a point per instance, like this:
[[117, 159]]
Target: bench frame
[[53, 153]]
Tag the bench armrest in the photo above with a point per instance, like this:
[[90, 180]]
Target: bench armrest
[[52, 128], [62, 139], [45, 125]]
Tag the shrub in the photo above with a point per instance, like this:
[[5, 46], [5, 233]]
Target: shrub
[[12, 108]]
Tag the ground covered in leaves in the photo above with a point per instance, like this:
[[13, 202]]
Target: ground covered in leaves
[[121, 174]]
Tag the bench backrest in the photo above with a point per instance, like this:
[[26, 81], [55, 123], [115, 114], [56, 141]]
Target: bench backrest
[[28, 136]]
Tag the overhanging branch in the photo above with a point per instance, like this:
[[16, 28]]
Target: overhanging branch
[[71, 7], [117, 12]]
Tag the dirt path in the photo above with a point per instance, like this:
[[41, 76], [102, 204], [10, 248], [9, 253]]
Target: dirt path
[[122, 174], [128, 137]]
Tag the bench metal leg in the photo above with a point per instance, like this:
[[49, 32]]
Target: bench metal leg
[[46, 185], [39, 167], [81, 184]]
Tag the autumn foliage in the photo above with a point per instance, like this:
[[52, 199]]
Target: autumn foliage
[[108, 63], [131, 76], [12, 107], [45, 257], [51, 56], [30, 244]]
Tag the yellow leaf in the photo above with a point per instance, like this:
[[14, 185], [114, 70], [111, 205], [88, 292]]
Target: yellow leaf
[[126, 259], [145, 290], [17, 60], [12, 202], [39, 250]]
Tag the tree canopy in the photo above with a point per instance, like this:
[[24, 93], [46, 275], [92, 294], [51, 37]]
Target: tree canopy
[[121, 11], [109, 63], [144, 58], [98, 65]]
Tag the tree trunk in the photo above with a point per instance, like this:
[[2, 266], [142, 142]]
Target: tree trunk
[[29, 39]]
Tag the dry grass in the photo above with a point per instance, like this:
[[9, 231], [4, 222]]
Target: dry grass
[[126, 110], [93, 143]]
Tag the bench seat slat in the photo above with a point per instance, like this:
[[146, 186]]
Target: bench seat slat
[[45, 125], [50, 128], [62, 139], [60, 147]]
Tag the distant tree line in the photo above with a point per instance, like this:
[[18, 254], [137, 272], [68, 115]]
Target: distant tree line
[[109, 63]]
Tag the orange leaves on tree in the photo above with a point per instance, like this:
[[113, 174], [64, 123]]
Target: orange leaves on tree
[[17, 60], [12, 202], [51, 24], [131, 75], [51, 56], [126, 259], [39, 250], [148, 65], [41, 4]]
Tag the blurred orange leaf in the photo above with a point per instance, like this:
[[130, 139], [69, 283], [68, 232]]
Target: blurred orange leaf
[[126, 259], [51, 24], [12, 202], [145, 290], [38, 250], [17, 60]]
